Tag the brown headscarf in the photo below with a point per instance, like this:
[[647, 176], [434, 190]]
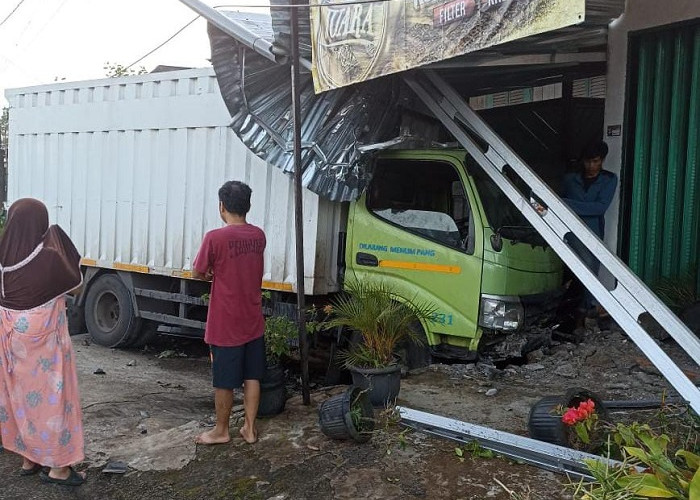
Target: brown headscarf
[[38, 263]]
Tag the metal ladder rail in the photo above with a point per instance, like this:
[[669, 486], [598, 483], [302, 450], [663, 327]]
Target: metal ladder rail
[[538, 453], [633, 289], [493, 164]]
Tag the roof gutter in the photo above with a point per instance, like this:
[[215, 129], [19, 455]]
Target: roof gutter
[[236, 30]]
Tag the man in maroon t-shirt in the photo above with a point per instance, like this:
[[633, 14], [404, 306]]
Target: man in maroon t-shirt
[[232, 257]]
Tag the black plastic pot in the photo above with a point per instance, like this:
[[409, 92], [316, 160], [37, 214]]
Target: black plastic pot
[[273, 392], [335, 416], [383, 384], [545, 424]]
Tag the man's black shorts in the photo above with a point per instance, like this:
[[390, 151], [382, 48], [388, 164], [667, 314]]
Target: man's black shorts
[[230, 366]]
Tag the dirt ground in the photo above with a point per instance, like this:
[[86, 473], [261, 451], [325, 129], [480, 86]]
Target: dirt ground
[[145, 411]]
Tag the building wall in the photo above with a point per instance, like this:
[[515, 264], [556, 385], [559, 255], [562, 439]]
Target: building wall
[[639, 15]]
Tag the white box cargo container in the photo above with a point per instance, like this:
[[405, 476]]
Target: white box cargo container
[[130, 167]]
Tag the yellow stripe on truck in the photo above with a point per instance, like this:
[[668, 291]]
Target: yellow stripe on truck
[[274, 285], [176, 273], [134, 268], [420, 266]]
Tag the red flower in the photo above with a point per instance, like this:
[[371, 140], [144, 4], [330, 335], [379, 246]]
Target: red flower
[[570, 417], [580, 413], [586, 408]]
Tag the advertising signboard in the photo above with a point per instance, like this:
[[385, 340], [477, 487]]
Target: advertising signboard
[[354, 41]]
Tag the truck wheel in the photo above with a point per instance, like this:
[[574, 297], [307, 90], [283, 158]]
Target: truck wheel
[[109, 312], [146, 335], [76, 319]]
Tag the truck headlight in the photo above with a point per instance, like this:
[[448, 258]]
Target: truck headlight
[[501, 313]]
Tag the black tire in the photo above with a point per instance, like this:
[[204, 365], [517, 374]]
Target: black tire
[[76, 319], [109, 312], [146, 335]]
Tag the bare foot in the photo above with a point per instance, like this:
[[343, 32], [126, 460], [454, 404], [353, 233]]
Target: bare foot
[[29, 468], [63, 473], [212, 437], [27, 464], [248, 436]]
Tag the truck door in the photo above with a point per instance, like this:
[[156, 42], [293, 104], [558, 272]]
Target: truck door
[[416, 230]]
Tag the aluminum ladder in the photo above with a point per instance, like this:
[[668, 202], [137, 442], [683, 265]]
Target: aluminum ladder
[[538, 453], [630, 298]]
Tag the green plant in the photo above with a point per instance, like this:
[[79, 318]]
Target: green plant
[[606, 481], [679, 292], [382, 319], [650, 469], [314, 324], [583, 419], [279, 331], [362, 424], [474, 449], [387, 435]]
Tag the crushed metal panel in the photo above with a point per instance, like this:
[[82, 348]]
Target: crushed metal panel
[[340, 125], [335, 125], [281, 24], [259, 25], [254, 33]]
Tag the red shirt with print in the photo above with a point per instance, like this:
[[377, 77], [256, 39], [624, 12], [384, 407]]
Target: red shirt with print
[[234, 254]]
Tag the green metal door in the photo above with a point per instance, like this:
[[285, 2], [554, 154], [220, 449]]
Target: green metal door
[[418, 230], [664, 108]]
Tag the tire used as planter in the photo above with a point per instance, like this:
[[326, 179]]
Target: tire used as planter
[[544, 424], [109, 312], [382, 384], [273, 392], [347, 416]]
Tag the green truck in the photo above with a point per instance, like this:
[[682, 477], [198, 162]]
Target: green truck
[[138, 192], [435, 228]]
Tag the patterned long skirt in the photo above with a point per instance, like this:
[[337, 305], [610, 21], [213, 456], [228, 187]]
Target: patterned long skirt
[[40, 414]]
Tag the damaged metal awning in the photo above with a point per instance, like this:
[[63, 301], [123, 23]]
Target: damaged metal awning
[[342, 127]]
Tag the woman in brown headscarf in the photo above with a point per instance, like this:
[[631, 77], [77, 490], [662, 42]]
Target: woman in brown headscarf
[[40, 414]]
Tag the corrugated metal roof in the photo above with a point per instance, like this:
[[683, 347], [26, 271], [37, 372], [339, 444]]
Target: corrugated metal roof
[[335, 124], [341, 125]]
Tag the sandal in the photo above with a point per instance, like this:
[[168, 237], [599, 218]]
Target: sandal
[[74, 479], [35, 469]]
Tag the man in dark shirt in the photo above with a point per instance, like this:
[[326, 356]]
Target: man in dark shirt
[[589, 194], [232, 257]]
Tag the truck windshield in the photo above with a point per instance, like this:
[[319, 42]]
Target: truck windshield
[[502, 215]]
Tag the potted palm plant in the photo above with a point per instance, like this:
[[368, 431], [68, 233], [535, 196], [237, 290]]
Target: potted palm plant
[[383, 321], [280, 332]]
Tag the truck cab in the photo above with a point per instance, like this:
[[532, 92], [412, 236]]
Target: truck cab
[[435, 228]]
